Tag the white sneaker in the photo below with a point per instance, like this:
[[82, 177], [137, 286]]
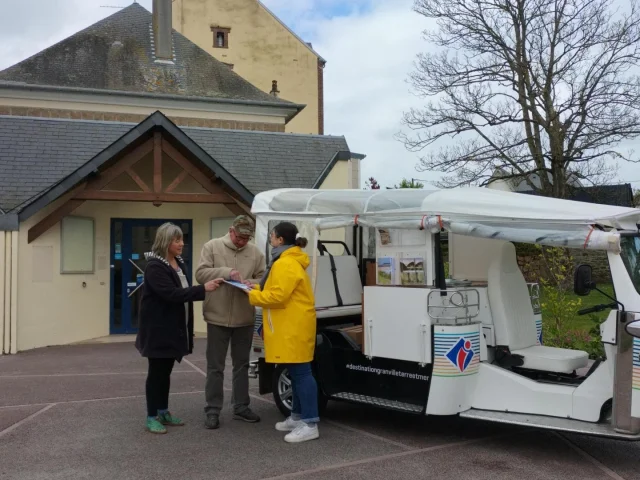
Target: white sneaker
[[302, 433], [289, 425]]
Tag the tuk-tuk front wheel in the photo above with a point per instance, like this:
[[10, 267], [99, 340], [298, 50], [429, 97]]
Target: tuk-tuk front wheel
[[283, 394]]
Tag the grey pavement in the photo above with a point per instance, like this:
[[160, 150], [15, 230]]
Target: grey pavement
[[77, 412]]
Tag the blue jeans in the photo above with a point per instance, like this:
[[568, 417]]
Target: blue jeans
[[305, 393]]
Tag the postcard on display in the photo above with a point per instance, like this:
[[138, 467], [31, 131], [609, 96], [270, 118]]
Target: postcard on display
[[386, 270], [412, 270]]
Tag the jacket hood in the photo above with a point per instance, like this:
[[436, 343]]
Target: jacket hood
[[297, 254]]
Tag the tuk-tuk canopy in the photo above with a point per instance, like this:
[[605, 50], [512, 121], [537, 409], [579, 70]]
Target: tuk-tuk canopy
[[472, 211]]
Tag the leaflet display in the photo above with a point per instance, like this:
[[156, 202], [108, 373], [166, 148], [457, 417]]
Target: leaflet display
[[403, 257]]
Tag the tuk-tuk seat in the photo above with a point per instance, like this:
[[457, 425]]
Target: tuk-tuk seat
[[344, 289], [513, 318]]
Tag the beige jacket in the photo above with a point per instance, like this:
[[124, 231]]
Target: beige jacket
[[228, 306]]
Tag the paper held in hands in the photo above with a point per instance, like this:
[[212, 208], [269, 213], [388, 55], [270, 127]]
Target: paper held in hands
[[239, 285]]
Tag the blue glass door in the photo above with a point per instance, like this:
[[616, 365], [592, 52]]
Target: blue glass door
[[130, 240]]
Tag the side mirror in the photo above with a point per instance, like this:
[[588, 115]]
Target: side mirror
[[633, 328], [582, 283]]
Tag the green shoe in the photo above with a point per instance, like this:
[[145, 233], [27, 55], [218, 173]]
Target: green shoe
[[168, 419], [154, 426]]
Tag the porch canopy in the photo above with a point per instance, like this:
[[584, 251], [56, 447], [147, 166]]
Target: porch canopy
[[476, 212]]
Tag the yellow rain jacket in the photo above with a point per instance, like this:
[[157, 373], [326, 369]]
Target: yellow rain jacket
[[288, 309]]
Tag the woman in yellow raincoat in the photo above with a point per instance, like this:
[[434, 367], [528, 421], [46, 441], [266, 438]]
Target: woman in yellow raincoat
[[289, 325]]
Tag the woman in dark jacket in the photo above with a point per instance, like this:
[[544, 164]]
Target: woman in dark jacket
[[166, 321]]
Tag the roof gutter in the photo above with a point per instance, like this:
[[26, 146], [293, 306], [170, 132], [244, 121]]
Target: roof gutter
[[232, 101]]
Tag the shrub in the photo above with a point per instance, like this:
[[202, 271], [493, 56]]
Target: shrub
[[588, 341], [560, 306]]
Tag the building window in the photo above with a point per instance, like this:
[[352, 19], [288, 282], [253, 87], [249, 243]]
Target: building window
[[220, 226], [77, 245], [220, 37]]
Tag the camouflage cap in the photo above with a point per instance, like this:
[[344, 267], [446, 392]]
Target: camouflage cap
[[243, 225]]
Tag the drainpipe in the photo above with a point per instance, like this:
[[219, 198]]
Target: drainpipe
[[4, 332], [13, 343], [8, 289], [6, 304]]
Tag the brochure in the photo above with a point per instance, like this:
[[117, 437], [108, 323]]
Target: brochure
[[239, 285], [412, 271]]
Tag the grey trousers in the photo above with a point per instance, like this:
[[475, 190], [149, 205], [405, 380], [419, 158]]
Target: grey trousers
[[218, 340]]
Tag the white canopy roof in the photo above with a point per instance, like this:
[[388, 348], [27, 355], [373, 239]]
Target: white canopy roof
[[474, 203], [337, 202], [479, 212]]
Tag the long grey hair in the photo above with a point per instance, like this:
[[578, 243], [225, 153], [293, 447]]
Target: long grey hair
[[166, 234]]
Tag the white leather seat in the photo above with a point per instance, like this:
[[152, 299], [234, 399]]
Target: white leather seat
[[514, 322], [349, 283], [550, 359]]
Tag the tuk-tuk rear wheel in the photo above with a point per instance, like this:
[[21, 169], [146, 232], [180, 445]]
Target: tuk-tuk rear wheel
[[282, 393]]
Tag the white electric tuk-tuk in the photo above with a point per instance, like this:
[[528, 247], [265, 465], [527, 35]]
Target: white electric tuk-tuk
[[395, 332]]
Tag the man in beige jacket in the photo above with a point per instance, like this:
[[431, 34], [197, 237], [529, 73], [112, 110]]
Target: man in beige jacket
[[230, 318]]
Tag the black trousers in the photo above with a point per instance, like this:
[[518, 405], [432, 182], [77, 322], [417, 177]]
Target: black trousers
[[158, 384]]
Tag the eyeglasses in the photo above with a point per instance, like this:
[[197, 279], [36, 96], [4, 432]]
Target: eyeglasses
[[242, 238]]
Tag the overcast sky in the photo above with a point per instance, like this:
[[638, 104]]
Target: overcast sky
[[370, 47]]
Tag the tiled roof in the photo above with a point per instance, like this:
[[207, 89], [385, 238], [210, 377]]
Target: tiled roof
[[36, 153], [115, 54]]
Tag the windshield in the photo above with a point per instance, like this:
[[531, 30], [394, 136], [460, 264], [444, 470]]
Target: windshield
[[631, 258]]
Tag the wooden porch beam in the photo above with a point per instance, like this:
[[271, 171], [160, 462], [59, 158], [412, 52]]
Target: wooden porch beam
[[198, 176], [178, 180], [54, 217], [136, 178], [124, 164], [235, 209], [157, 162], [239, 209], [108, 195]]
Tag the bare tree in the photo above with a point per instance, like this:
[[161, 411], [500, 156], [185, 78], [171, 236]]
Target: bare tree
[[546, 87]]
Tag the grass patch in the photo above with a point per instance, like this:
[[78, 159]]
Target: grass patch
[[583, 322]]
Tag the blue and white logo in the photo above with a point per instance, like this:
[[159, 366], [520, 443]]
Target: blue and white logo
[[461, 354]]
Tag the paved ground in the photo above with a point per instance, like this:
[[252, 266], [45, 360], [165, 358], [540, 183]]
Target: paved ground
[[77, 412]]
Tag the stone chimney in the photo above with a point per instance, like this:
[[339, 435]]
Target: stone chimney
[[162, 18]]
